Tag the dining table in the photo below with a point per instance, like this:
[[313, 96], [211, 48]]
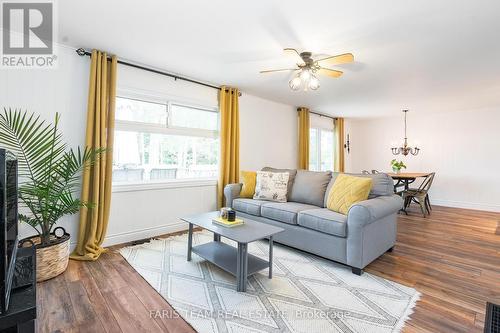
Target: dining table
[[406, 178]]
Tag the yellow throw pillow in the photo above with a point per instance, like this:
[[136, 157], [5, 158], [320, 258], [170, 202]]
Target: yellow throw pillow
[[346, 191], [248, 178]]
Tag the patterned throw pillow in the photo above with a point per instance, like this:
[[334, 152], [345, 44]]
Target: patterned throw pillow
[[346, 191], [271, 186]]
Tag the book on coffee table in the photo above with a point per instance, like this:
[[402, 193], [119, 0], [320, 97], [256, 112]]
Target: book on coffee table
[[226, 223]]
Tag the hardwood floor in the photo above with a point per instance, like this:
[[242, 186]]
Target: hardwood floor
[[451, 257]]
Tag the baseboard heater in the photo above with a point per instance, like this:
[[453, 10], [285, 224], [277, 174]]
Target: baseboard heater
[[492, 319], [140, 241]]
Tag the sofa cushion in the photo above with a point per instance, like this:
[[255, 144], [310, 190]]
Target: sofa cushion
[[309, 187], [284, 211], [324, 220], [329, 187], [382, 184], [291, 177], [249, 206]]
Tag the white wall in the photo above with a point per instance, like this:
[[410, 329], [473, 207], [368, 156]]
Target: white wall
[[268, 134], [462, 147], [46, 92], [268, 137], [138, 214]]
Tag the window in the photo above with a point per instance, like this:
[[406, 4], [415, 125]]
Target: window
[[320, 149], [184, 116], [140, 111], [157, 141]]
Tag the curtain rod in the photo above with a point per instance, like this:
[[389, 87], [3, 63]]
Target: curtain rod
[[321, 114], [81, 52]]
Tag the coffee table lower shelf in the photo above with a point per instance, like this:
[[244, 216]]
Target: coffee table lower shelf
[[234, 260], [225, 257]]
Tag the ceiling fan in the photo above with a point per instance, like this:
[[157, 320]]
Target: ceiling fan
[[309, 67]]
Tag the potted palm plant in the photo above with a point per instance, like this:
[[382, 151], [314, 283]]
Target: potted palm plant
[[49, 177]]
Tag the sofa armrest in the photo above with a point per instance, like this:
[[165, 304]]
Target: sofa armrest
[[367, 211], [231, 192], [371, 229]]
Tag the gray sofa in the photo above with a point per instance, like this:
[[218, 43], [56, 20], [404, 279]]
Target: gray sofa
[[355, 239]]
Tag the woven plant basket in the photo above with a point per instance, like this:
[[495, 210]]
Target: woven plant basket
[[51, 259]]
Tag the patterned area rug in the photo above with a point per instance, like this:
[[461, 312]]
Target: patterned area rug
[[306, 293]]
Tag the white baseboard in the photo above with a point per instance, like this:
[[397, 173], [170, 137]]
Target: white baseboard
[[466, 205]]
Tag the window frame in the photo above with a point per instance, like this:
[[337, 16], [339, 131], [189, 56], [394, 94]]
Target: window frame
[[166, 129], [129, 125]]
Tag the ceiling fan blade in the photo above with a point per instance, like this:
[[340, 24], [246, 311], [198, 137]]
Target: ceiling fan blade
[[337, 59], [278, 70], [291, 50], [293, 53], [330, 72]]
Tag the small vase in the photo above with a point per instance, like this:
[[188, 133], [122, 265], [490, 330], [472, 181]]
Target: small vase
[[396, 170]]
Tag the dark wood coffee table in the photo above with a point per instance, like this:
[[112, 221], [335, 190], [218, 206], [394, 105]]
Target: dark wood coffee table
[[236, 261]]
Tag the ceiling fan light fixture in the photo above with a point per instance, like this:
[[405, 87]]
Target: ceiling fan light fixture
[[295, 83], [313, 83], [309, 66], [305, 74]]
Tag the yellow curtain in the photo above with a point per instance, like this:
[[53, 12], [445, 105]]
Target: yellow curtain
[[96, 182], [303, 138], [339, 145], [229, 140]]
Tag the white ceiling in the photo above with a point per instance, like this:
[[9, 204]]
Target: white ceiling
[[426, 55]]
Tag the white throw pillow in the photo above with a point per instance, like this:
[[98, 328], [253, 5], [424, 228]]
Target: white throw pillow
[[271, 186]]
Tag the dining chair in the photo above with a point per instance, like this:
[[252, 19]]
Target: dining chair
[[420, 195], [427, 198], [375, 171], [365, 172]]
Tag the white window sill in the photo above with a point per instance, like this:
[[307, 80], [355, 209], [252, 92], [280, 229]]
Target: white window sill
[[174, 183]]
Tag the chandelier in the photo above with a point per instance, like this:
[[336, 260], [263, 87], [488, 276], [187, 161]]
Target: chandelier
[[305, 79], [404, 149]]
